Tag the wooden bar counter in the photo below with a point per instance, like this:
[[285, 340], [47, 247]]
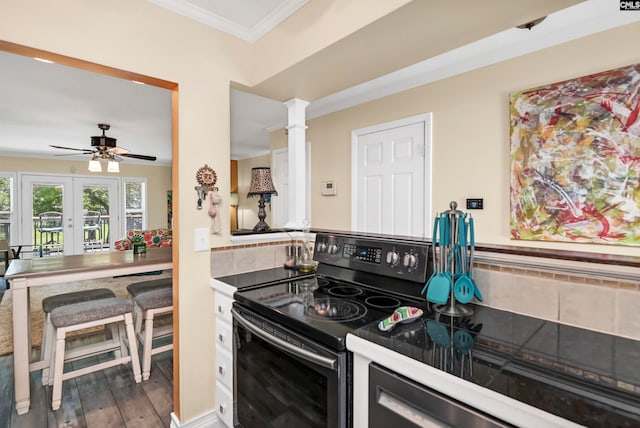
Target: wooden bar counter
[[27, 273]]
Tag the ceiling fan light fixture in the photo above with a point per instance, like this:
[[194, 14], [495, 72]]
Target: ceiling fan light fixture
[[113, 166], [94, 166]]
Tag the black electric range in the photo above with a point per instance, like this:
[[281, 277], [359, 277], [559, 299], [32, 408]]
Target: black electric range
[[355, 286]]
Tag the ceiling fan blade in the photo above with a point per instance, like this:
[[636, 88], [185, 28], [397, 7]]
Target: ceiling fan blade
[[86, 151], [118, 150], [71, 154], [134, 156]]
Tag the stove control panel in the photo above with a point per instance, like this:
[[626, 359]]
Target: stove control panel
[[364, 254], [383, 256]]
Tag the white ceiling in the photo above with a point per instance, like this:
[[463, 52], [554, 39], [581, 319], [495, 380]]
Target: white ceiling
[[43, 104]]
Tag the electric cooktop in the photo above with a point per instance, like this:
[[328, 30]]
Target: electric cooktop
[[323, 309]]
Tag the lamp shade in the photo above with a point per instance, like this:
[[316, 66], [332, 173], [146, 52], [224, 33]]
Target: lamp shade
[[113, 166], [261, 183], [94, 166]]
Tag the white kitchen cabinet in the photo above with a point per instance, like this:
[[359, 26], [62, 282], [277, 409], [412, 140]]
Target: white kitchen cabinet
[[224, 351]]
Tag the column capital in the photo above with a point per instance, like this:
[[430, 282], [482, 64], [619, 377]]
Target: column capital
[[296, 102]]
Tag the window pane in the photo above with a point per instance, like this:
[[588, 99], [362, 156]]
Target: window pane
[[5, 207], [5, 193], [134, 194], [134, 204]]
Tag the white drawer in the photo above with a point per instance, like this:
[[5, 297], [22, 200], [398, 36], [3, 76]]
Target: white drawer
[[224, 368], [224, 334], [224, 406], [223, 306]]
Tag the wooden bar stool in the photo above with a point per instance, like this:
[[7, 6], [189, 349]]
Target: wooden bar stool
[[151, 304], [89, 314], [48, 338], [143, 286], [136, 288]]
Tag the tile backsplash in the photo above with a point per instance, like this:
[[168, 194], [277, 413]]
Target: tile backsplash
[[563, 294], [248, 257]]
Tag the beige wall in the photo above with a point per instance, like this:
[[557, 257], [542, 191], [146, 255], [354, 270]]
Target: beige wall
[[248, 207], [470, 133], [158, 180]]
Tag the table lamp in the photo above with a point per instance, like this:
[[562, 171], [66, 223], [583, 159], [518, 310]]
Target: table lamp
[[261, 184]]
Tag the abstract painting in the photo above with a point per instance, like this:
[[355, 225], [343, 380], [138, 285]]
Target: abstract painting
[[575, 160]]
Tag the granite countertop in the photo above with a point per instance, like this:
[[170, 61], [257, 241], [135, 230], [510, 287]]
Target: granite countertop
[[263, 277], [584, 376]]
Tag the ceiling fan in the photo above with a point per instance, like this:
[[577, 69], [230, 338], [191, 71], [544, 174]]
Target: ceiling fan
[[104, 147]]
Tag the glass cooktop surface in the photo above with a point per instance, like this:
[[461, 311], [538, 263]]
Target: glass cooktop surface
[[322, 308]]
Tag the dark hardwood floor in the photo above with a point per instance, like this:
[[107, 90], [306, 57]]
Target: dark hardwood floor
[[105, 399]]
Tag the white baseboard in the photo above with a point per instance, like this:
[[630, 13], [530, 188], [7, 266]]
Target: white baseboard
[[208, 420]]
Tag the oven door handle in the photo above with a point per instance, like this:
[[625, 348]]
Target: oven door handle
[[329, 363]]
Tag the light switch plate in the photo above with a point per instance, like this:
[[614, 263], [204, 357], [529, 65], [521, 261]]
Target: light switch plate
[[201, 239]]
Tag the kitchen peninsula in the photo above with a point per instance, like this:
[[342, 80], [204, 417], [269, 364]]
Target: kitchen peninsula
[[27, 273]]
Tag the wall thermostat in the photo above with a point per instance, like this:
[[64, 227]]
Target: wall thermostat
[[328, 188]]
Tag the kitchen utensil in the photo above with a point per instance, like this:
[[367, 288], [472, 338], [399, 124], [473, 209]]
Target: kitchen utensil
[[402, 314], [464, 288], [472, 242], [440, 286], [293, 256], [433, 253]]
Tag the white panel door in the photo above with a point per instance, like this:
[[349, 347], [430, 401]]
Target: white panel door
[[389, 175]]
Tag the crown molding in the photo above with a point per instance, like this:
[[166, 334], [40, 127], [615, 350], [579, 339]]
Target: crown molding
[[274, 18], [249, 34]]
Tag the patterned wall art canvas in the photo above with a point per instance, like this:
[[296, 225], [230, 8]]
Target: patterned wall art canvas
[[575, 160]]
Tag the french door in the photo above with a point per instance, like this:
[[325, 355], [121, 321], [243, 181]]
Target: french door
[[68, 215]]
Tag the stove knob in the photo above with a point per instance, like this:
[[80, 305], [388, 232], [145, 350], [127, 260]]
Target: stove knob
[[333, 249], [409, 260], [322, 247], [392, 258]]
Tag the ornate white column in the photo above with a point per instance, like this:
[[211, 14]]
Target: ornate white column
[[296, 128]]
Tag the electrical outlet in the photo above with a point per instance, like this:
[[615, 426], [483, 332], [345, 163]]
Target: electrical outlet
[[475, 204]]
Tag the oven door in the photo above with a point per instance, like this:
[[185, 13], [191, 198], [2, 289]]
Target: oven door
[[282, 379]]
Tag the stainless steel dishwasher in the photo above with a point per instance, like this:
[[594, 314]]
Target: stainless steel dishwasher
[[395, 401]]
